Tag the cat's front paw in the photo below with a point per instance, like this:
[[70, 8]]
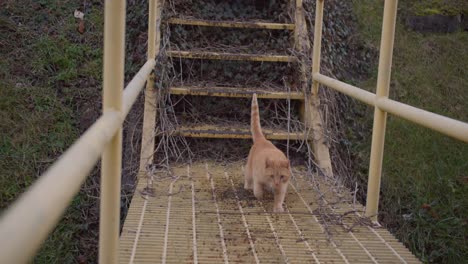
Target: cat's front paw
[[278, 209]]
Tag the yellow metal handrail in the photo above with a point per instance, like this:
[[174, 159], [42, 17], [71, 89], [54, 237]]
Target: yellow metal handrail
[[442, 124], [380, 101], [111, 163], [33, 216]]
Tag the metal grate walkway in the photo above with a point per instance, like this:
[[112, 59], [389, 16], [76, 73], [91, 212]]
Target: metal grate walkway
[[200, 213]]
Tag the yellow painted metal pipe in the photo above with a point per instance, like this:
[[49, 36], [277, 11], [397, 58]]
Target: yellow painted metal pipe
[[380, 117], [152, 11], [113, 82], [48, 198], [317, 51], [355, 92], [447, 126], [442, 124], [135, 86], [34, 215]]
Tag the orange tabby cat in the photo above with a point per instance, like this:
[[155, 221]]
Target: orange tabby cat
[[267, 167]]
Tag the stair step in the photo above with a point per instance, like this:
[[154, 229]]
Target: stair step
[[229, 56], [230, 24], [218, 131], [235, 92]]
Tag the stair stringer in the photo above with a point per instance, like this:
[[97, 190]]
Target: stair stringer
[[310, 110]]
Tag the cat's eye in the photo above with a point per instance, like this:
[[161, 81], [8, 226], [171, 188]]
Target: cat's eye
[[272, 176], [282, 177]]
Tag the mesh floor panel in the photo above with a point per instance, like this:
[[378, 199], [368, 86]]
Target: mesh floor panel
[[200, 213]]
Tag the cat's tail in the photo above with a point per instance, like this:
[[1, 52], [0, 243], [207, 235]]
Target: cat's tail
[[255, 120]]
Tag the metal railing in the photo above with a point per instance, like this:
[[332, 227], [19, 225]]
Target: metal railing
[[380, 101], [31, 218]]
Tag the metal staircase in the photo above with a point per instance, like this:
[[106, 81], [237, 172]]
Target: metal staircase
[[232, 91], [198, 212]]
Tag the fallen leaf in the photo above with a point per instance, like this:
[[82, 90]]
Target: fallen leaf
[[81, 259], [81, 27], [426, 206]]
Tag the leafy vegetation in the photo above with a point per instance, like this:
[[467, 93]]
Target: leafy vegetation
[[432, 7], [47, 72], [276, 11], [50, 87], [424, 197]]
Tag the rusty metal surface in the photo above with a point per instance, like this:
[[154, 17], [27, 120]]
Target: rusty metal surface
[[236, 92], [231, 24], [213, 131], [229, 56]]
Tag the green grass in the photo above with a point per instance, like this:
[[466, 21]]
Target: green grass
[[50, 92], [35, 128], [47, 72], [422, 169], [433, 7]]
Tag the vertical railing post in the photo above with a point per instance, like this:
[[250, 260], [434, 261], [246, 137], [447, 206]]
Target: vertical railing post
[[317, 51], [152, 5], [380, 117], [113, 84], [149, 117]]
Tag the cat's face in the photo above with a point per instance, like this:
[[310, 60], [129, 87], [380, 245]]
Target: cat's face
[[278, 172]]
